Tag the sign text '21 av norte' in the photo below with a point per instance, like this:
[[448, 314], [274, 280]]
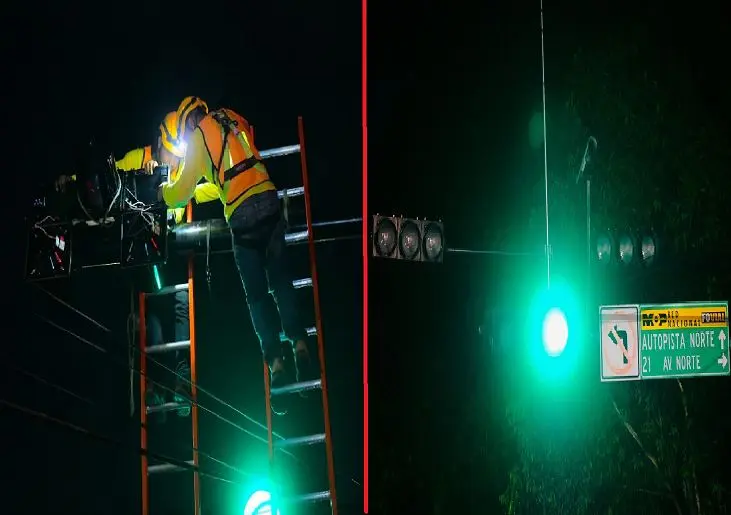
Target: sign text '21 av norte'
[[657, 341]]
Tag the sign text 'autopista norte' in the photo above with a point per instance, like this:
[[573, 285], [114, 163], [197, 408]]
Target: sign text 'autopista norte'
[[664, 341]]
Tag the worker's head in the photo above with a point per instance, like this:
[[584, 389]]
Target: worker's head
[[171, 147], [190, 112]]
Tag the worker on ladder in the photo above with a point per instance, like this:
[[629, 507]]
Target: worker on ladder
[[148, 158], [170, 153], [220, 148]]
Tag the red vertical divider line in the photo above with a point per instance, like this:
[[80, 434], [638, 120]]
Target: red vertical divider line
[[193, 374], [318, 318], [364, 115], [143, 406]]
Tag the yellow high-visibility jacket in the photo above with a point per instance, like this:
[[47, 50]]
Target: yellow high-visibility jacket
[[136, 159], [206, 146]]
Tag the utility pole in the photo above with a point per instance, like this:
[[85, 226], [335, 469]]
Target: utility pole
[[591, 146]]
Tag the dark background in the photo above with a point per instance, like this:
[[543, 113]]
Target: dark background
[[451, 92], [109, 73], [452, 89]]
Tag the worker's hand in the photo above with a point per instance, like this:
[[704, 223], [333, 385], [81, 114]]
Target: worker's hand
[[60, 183], [150, 166]]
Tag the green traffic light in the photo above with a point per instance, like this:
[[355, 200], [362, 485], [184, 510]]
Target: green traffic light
[[259, 503], [555, 332]]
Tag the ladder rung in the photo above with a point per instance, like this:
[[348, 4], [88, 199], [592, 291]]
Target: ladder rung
[[308, 498], [167, 290], [167, 347], [167, 467], [304, 386], [311, 331], [168, 406], [302, 283], [292, 192], [281, 151], [295, 237], [300, 440]]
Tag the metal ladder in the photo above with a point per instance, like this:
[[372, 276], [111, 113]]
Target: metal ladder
[[325, 437], [148, 470]]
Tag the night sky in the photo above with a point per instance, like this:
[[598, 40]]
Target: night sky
[[452, 89]]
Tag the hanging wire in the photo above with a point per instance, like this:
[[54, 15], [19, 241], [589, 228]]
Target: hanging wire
[[46, 382], [149, 357], [330, 223], [545, 152], [118, 443], [167, 388], [505, 253], [68, 392], [176, 374]]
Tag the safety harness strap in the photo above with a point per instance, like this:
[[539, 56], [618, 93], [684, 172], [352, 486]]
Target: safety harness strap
[[228, 125], [243, 166]]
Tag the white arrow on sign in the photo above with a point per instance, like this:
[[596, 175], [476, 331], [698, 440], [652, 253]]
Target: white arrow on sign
[[723, 361], [722, 337]]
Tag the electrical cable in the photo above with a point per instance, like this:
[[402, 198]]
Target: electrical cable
[[45, 381], [162, 386], [60, 388], [545, 151], [117, 443], [179, 376], [151, 358]]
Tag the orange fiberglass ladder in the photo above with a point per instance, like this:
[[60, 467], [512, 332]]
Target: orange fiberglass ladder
[[316, 330]]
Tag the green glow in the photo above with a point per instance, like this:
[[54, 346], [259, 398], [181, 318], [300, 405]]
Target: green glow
[[158, 281], [259, 504], [555, 332]]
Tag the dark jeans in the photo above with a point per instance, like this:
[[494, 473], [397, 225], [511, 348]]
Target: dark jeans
[[177, 359], [257, 232]]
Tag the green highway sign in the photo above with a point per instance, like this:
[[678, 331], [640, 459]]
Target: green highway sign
[[684, 340], [664, 341]]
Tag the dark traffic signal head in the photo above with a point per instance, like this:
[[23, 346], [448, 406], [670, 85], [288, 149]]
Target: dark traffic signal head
[[626, 248], [408, 239]]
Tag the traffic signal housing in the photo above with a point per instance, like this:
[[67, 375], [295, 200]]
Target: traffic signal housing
[[408, 239], [627, 248]]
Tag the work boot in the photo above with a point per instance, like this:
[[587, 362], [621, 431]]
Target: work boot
[[279, 378], [154, 398], [306, 366], [306, 370], [182, 389]]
